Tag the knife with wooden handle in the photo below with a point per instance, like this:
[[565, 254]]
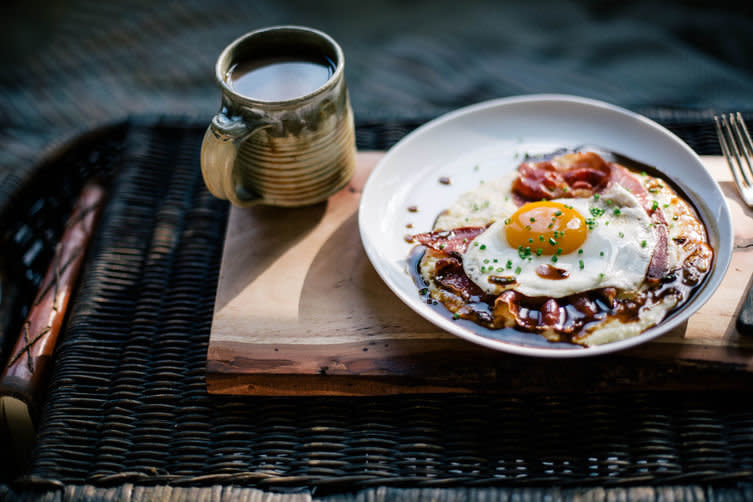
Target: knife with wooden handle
[[28, 364]]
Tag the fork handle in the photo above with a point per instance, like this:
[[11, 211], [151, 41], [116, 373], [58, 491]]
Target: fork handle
[[745, 318]]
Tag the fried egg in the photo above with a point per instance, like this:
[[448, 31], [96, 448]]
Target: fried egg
[[565, 246]]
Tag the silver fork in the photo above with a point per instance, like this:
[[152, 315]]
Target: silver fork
[[737, 147]]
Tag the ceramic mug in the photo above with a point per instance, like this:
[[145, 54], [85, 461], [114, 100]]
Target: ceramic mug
[[284, 134]]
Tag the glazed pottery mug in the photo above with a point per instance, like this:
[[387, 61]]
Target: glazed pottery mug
[[284, 134]]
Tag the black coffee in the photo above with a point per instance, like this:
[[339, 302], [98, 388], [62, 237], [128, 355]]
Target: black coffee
[[279, 79]]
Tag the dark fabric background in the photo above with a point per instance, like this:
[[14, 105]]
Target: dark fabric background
[[69, 65]]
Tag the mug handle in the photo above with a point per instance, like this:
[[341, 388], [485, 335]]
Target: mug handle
[[219, 150]]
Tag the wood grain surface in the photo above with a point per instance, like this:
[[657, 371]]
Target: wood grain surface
[[301, 311]]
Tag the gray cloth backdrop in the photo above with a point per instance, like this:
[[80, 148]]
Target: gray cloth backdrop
[[69, 65]]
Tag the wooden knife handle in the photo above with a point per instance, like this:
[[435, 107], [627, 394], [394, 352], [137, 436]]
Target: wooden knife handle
[[28, 363], [745, 317]]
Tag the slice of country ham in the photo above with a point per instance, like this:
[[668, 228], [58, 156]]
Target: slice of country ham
[[581, 175], [659, 265], [449, 241]]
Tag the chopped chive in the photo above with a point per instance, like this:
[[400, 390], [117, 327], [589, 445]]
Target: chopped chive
[[621, 235], [507, 221], [541, 238], [532, 219], [654, 205], [601, 253], [581, 264], [643, 244], [616, 211], [509, 264], [486, 260], [559, 251], [596, 196], [558, 213], [609, 202], [580, 251], [483, 246], [554, 258], [456, 316], [539, 251], [517, 270], [530, 240], [550, 225], [552, 242]]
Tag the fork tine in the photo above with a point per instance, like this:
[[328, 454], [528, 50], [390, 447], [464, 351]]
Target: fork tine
[[727, 143], [746, 146]]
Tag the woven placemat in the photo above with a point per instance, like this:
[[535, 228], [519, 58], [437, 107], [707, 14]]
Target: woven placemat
[[127, 402]]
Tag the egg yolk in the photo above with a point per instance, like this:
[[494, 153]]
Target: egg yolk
[[546, 227]]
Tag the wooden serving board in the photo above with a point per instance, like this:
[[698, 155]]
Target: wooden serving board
[[301, 311]]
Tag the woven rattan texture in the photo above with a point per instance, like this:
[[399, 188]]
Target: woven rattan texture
[[167, 493], [127, 402]]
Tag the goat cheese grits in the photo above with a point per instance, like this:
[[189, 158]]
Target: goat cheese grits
[[574, 247]]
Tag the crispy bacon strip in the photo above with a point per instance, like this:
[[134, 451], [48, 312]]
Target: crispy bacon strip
[[585, 174], [451, 276], [659, 265], [449, 241]]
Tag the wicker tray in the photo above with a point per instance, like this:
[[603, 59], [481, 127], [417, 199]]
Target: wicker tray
[[128, 401]]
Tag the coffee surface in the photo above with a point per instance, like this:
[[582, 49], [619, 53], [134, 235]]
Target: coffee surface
[[278, 79]]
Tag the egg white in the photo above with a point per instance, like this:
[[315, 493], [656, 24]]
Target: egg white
[[616, 253]]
